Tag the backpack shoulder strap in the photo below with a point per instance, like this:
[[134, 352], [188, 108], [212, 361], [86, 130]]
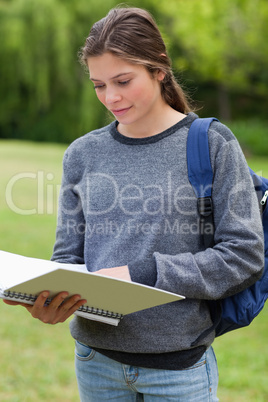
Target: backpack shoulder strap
[[198, 160], [201, 175]]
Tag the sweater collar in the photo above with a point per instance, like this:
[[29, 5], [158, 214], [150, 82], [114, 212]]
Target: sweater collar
[[152, 139]]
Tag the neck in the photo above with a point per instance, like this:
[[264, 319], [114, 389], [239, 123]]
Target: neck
[[158, 123]]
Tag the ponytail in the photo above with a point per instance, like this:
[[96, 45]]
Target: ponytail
[[174, 95]]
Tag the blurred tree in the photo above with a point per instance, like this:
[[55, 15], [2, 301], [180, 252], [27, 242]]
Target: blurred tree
[[221, 42], [43, 86], [46, 94]]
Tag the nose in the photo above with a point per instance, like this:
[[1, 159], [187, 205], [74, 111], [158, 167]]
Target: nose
[[112, 95]]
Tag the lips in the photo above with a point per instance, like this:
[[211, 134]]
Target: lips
[[120, 112]]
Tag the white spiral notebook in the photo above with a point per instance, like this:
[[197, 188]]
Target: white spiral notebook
[[108, 299]]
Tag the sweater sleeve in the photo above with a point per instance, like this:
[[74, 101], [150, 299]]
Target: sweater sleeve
[[237, 259], [69, 244]]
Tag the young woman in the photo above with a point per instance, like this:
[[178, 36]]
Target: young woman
[[127, 210]]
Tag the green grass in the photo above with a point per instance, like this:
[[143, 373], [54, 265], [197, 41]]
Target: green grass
[[243, 361], [30, 179], [37, 359]]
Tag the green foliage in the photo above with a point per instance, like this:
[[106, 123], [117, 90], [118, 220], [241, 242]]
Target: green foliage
[[45, 92], [252, 135], [221, 44], [222, 41]]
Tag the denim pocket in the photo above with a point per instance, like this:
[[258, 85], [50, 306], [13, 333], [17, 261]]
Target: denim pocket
[[200, 362], [83, 352]]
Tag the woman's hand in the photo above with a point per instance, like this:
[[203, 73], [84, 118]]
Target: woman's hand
[[116, 272], [59, 309]]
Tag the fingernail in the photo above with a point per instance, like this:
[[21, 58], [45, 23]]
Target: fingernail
[[45, 294]]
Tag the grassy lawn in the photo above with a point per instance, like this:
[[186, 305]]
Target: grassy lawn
[[37, 359]]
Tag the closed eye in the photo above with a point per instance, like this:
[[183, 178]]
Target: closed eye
[[121, 83], [124, 82], [98, 86]]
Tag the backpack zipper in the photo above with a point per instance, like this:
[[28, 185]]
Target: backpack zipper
[[264, 198]]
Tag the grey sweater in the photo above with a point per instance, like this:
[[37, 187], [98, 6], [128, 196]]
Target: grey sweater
[[129, 201]]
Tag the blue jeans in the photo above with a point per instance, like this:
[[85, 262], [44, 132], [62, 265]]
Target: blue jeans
[[103, 379]]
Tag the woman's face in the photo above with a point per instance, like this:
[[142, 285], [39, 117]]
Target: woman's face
[[127, 90]]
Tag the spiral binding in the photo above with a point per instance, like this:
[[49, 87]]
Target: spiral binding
[[20, 296], [85, 309], [103, 313]]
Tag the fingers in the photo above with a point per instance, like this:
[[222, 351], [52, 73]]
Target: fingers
[[11, 302], [60, 308], [15, 303], [67, 311]]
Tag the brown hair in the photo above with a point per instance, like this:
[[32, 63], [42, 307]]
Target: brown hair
[[132, 34]]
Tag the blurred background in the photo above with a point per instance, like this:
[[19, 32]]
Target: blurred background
[[219, 50]]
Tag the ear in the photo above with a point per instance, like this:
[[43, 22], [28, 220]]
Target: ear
[[161, 75]]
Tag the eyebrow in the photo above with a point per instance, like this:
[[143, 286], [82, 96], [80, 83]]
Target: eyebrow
[[116, 76]]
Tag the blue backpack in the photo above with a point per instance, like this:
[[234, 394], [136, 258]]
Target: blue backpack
[[240, 309]]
